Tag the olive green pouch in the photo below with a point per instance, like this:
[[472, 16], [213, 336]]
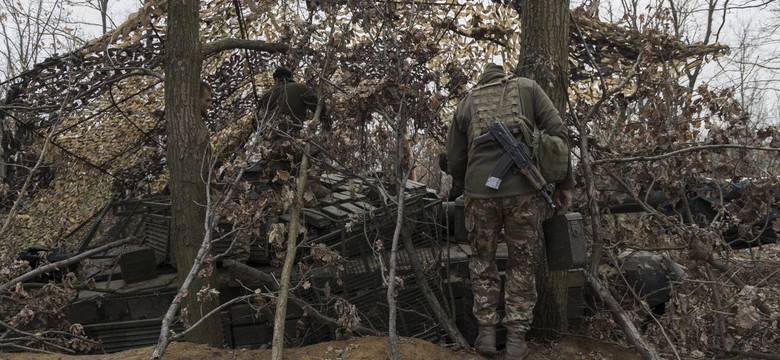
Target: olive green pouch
[[552, 156]]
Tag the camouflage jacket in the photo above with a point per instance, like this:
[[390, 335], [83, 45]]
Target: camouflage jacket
[[471, 165]]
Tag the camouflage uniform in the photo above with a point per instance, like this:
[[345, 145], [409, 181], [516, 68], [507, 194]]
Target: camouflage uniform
[[515, 207], [520, 217]]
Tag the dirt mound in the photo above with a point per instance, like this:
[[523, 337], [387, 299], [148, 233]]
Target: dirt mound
[[366, 348]]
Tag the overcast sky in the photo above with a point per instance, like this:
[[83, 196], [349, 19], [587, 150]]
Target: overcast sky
[[118, 10], [750, 29]]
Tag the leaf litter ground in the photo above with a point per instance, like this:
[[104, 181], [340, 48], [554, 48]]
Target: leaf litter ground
[[366, 348]]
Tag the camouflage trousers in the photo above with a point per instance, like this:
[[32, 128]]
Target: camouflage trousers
[[520, 218]]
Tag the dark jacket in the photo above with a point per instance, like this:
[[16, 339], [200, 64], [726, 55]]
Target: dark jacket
[[472, 166], [290, 101]]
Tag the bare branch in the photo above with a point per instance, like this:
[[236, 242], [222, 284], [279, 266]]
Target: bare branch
[[62, 264], [645, 350], [250, 274], [737, 281], [277, 344], [681, 151], [228, 44], [748, 354], [35, 337]]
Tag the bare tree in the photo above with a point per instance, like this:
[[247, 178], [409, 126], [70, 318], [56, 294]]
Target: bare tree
[[102, 7], [31, 31]]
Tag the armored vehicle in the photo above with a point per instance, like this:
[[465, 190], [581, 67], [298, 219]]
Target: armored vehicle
[[355, 222]]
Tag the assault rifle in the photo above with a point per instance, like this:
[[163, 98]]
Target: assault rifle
[[514, 154]]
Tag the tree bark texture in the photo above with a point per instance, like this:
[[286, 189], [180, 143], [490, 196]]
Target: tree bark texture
[[544, 58], [187, 148]]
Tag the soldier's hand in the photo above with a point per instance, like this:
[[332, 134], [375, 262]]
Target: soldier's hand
[[561, 196]]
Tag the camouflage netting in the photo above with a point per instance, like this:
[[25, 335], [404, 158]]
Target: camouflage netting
[[103, 103]]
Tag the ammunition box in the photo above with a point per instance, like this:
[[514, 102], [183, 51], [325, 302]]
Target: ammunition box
[[564, 240]]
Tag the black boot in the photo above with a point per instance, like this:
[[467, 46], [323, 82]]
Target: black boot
[[485, 343], [516, 348]]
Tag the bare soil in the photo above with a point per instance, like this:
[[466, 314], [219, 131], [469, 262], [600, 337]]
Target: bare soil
[[365, 348]]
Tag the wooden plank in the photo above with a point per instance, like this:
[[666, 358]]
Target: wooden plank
[[331, 179]]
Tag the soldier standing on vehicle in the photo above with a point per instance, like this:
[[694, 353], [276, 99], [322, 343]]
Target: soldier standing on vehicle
[[514, 206], [289, 101], [286, 105]]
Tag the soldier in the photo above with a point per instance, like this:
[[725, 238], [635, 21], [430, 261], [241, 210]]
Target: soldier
[[286, 104], [514, 207], [450, 189], [289, 100], [205, 99]]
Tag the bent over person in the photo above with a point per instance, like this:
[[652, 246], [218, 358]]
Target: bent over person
[[514, 207]]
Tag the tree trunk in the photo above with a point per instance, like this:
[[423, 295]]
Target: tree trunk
[[277, 343], [187, 146], [103, 5], [544, 58]]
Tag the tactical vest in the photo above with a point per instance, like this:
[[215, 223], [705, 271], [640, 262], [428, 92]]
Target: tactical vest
[[500, 101]]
